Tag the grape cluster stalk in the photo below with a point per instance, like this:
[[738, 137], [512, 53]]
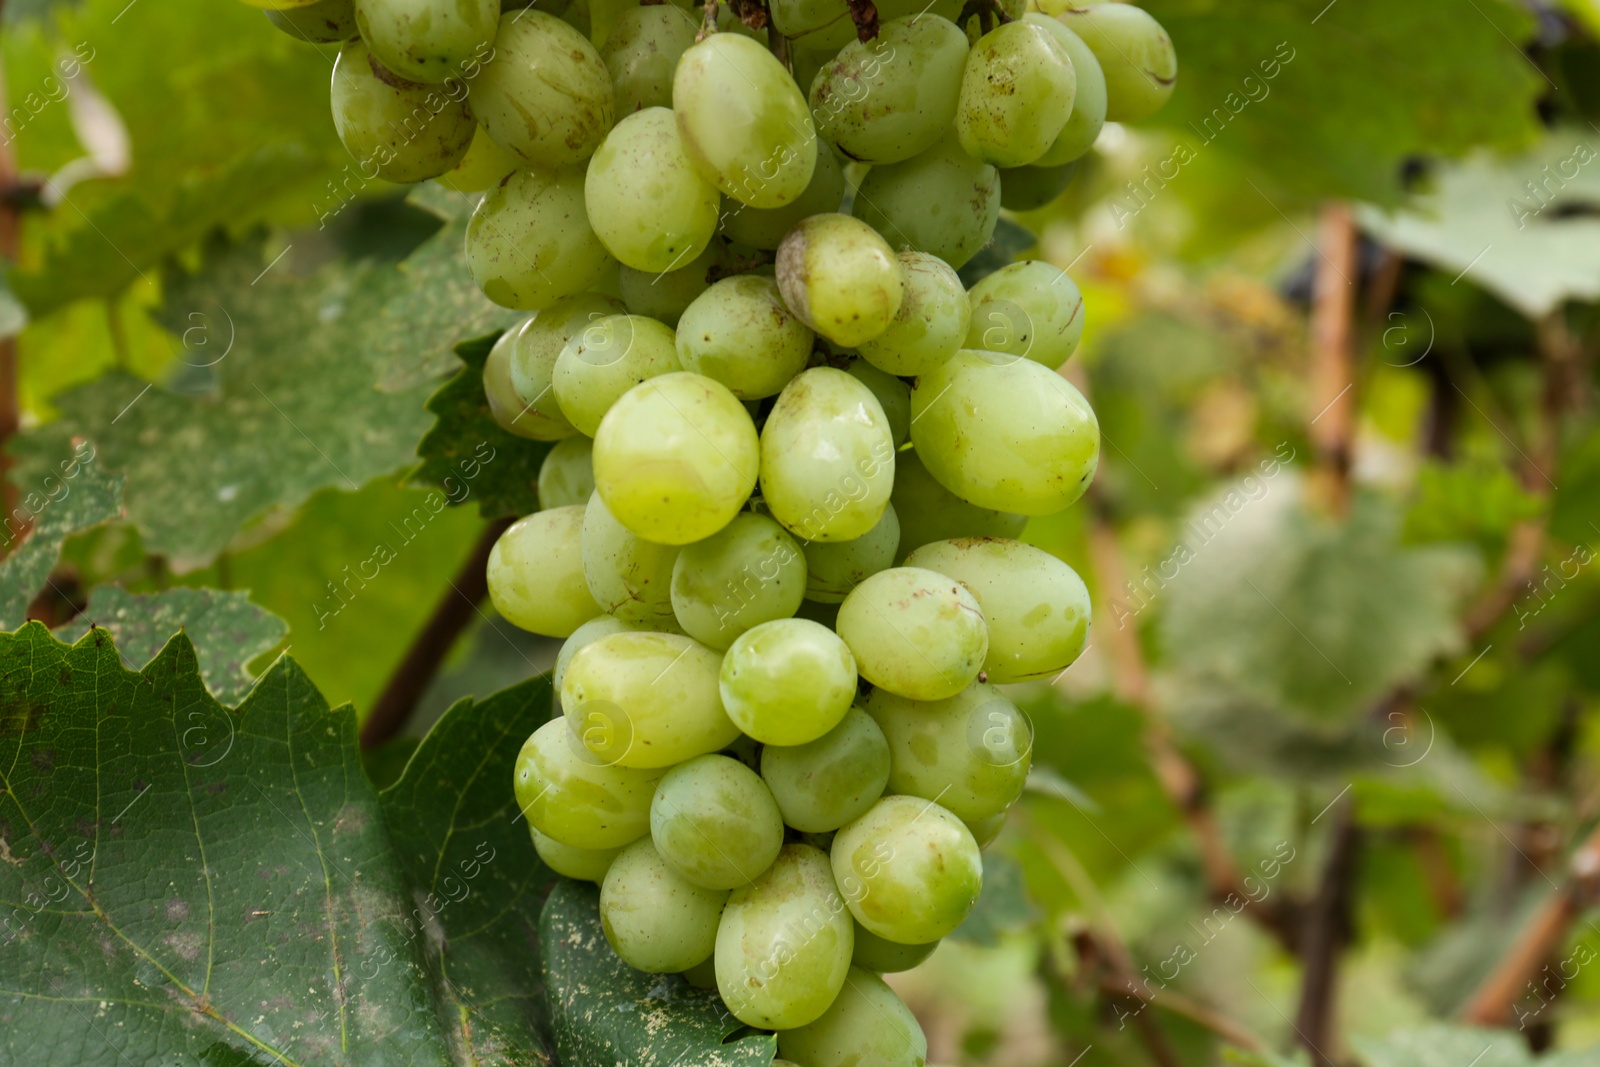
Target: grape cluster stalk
[[792, 453]]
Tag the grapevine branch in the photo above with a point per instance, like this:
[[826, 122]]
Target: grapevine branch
[[1332, 416], [1325, 929]]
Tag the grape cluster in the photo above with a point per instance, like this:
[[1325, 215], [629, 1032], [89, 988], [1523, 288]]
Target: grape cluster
[[791, 452]]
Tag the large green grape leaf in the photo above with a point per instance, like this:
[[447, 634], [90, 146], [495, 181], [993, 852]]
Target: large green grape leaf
[[228, 631], [1441, 1045], [606, 1014], [286, 405], [1298, 612], [68, 492], [468, 455], [1532, 245], [1356, 87], [191, 884]]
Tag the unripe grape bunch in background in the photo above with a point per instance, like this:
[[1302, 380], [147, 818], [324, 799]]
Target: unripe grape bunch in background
[[792, 453]]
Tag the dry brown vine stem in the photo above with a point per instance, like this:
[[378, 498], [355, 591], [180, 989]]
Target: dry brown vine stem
[[1331, 424]]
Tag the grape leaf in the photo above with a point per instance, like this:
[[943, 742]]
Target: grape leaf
[[606, 1014], [69, 495], [1301, 613], [1522, 228], [228, 631], [465, 438], [193, 884], [1440, 1045], [1003, 905]]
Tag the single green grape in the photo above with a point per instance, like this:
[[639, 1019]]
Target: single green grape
[[739, 332], [1088, 105], [942, 202], [529, 242], [603, 18], [1135, 53], [1033, 187], [915, 632], [642, 51], [840, 277], [971, 752], [506, 404], [569, 861], [931, 323], [882, 956], [571, 797], [428, 40], [481, 168], [537, 342], [909, 870], [566, 477], [649, 205], [546, 94], [788, 681], [400, 131], [868, 1023], [628, 576], [894, 397], [1036, 607], [654, 918], [605, 359], [831, 780], [535, 573], [1016, 95], [818, 25], [320, 22], [747, 573], [1031, 308], [833, 568], [1004, 433], [929, 512], [784, 944], [764, 228], [715, 823], [827, 457], [645, 699], [593, 630], [676, 458], [666, 296], [887, 99]]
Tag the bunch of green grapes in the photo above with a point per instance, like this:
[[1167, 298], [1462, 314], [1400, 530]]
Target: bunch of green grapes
[[792, 454]]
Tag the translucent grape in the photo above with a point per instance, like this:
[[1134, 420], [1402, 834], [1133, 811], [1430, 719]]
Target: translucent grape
[[971, 752], [645, 699], [1004, 433], [428, 40], [506, 404], [1016, 95], [909, 870], [764, 228], [833, 568], [887, 99], [739, 332], [893, 396], [642, 52], [482, 167], [1135, 53], [822, 25], [649, 205], [942, 202], [584, 864], [399, 131], [784, 944], [536, 344], [715, 823], [840, 277], [665, 296], [1031, 308], [744, 121], [882, 956], [914, 632], [788, 681], [605, 359], [930, 512], [1036, 607], [320, 22], [868, 1023], [566, 477], [546, 95], [596, 628], [535, 573], [1031, 188], [529, 242], [628, 576], [1088, 105], [676, 458], [827, 457], [745, 574], [832, 780], [576, 800], [931, 323], [655, 919]]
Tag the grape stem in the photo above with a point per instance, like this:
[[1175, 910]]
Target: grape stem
[[987, 12], [865, 16], [709, 26]]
